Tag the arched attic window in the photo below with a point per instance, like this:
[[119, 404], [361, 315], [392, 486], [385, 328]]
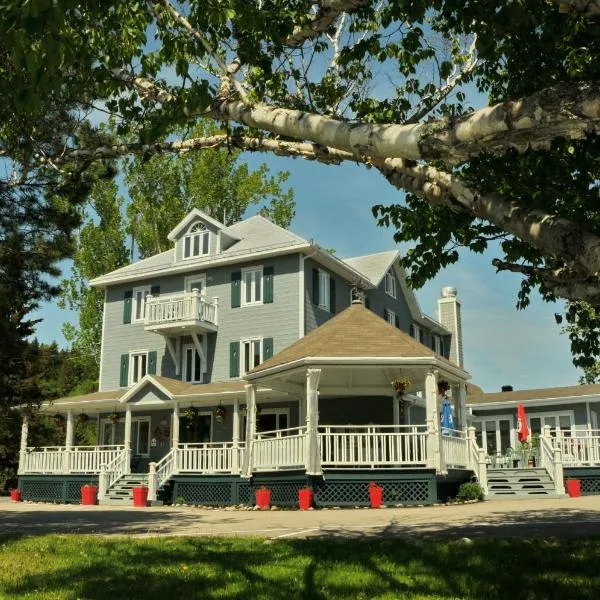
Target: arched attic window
[[196, 241]]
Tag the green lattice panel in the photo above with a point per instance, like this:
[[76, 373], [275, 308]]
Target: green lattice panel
[[356, 493], [210, 493], [245, 494], [283, 493], [590, 486], [42, 491]]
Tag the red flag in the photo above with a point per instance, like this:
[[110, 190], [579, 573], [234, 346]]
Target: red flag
[[522, 428]]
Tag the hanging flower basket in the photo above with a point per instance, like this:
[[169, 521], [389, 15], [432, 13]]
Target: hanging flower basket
[[220, 414], [401, 384], [114, 417], [190, 413], [443, 387]]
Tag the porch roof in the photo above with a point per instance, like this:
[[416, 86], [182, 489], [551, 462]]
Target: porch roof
[[356, 334], [85, 399]]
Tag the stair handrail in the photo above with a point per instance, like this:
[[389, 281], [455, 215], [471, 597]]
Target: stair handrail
[[117, 468], [165, 467], [477, 459], [551, 460]]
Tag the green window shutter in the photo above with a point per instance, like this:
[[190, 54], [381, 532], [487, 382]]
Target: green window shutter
[[367, 302], [397, 321], [315, 286], [236, 289], [386, 314], [127, 301], [268, 284], [331, 294], [155, 290], [234, 359], [412, 330], [124, 370], [152, 363], [267, 348]]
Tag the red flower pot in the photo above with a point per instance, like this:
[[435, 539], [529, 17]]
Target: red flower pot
[[305, 498], [15, 495], [140, 496], [88, 495], [573, 487], [375, 495], [263, 499]]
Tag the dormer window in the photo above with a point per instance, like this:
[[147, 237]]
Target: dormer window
[[196, 241]]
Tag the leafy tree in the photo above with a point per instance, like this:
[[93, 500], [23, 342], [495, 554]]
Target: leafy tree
[[384, 84]]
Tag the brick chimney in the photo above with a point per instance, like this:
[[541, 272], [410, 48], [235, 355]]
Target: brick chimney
[[449, 317]]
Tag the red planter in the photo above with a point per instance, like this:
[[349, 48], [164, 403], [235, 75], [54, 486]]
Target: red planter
[[88, 495], [305, 498], [15, 495], [140, 496], [573, 487], [375, 495], [263, 499]]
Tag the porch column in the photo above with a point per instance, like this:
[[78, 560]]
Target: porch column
[[23, 448], [461, 397], [68, 441], [175, 428], [434, 442], [250, 429], [235, 437], [313, 462], [127, 438], [396, 408]]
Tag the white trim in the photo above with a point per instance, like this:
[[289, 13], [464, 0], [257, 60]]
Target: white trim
[[190, 278], [145, 290], [497, 418], [553, 415], [197, 213], [200, 231], [254, 269], [146, 380], [391, 317], [102, 341]]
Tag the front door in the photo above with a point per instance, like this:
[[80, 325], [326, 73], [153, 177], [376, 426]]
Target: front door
[[494, 435]]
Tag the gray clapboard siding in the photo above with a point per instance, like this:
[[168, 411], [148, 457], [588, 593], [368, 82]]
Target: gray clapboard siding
[[379, 301]]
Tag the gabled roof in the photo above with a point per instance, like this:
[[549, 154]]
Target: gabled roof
[[476, 396], [196, 213], [374, 266], [355, 333]]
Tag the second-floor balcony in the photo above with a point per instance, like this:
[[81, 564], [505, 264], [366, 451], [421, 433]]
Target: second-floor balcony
[[180, 314]]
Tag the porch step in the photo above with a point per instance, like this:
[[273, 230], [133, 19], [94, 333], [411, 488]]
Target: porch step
[[121, 492], [520, 483]]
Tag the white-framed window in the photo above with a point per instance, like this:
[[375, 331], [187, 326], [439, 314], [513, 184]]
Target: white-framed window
[[114, 433], [192, 364], [390, 284], [416, 331], [197, 282], [270, 419], [138, 366], [495, 434], [138, 310], [251, 354], [437, 344], [324, 286], [562, 420], [390, 316], [252, 288], [196, 242]]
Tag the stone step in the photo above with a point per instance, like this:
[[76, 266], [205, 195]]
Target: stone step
[[525, 487], [532, 471]]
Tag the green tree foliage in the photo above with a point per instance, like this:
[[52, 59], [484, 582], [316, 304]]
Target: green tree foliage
[[385, 84]]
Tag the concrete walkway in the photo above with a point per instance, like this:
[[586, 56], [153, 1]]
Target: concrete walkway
[[501, 518]]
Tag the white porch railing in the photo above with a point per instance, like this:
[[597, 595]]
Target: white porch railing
[[165, 467], [114, 471], [367, 445], [59, 459], [185, 306], [455, 449], [216, 457], [279, 449], [582, 450]]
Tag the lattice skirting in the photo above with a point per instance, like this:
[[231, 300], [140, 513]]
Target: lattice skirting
[[352, 489], [54, 488], [589, 478], [211, 491]]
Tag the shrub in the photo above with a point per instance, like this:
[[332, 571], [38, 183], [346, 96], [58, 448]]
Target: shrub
[[470, 491]]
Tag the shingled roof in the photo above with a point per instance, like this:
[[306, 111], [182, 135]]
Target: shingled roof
[[356, 332], [476, 396]]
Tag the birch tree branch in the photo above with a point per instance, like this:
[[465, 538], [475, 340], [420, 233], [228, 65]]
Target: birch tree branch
[[587, 8]]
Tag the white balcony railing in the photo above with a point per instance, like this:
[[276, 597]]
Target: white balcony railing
[[59, 459], [373, 445], [279, 449], [177, 308], [582, 450], [455, 449], [215, 457]]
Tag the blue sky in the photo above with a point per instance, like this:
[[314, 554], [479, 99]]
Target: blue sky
[[501, 345]]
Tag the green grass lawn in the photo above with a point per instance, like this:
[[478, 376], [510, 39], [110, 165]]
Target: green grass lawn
[[54, 567]]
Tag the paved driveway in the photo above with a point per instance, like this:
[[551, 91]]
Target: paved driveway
[[527, 518]]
